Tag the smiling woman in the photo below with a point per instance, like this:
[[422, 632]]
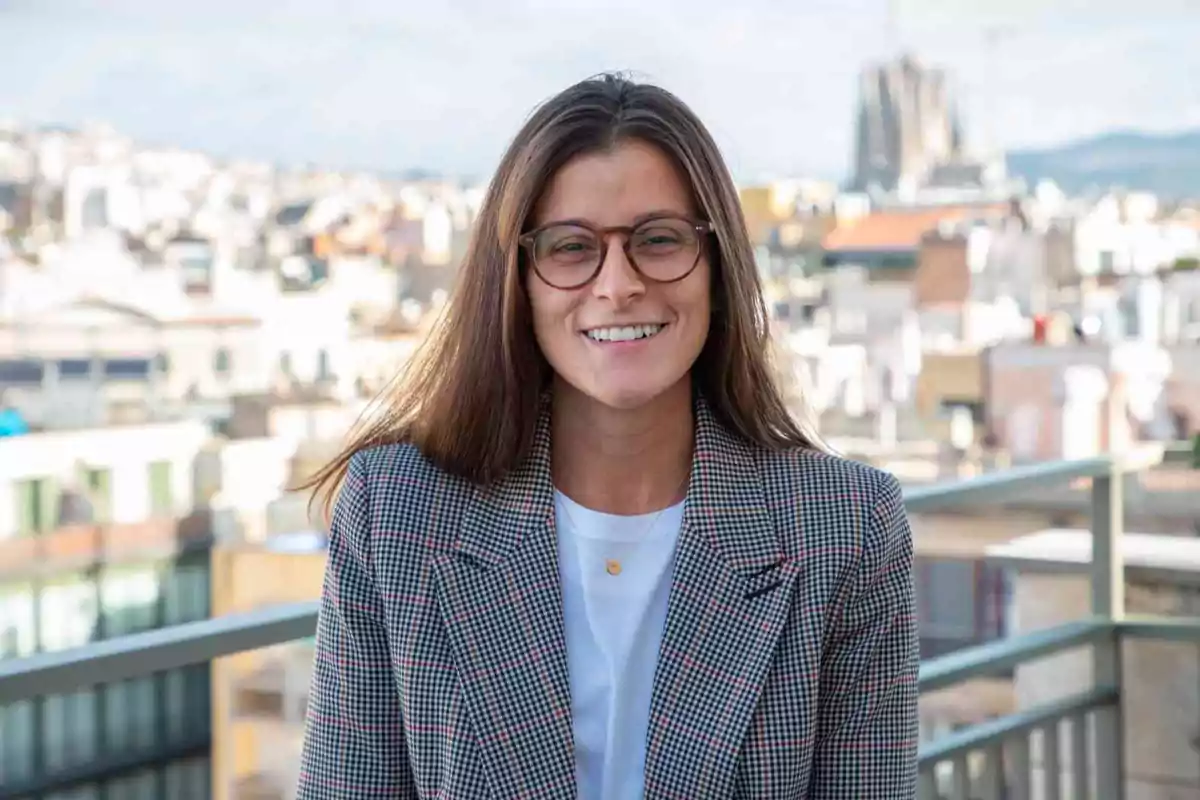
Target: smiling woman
[[585, 552]]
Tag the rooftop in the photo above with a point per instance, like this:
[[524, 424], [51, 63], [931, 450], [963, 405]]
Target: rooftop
[[895, 230]]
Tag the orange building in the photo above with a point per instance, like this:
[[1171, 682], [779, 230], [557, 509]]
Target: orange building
[[259, 697]]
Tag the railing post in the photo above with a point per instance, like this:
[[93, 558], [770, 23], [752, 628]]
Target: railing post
[[1108, 602]]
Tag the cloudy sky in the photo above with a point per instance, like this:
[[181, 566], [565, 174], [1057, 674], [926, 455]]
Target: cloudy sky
[[441, 84]]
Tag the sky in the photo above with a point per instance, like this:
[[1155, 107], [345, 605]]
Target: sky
[[443, 84]]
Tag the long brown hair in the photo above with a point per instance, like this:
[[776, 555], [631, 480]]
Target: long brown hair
[[471, 396]]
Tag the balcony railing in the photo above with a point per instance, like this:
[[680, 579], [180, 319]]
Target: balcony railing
[[992, 757]]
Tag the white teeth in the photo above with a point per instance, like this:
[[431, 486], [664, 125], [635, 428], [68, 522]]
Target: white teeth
[[625, 334]]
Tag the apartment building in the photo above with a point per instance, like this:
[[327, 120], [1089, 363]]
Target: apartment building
[[98, 539]]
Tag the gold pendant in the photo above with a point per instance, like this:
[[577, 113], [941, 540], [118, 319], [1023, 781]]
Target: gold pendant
[[612, 566]]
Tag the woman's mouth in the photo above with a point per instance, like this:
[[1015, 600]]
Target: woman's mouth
[[624, 333]]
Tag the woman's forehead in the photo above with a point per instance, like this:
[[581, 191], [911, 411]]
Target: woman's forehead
[[615, 187]]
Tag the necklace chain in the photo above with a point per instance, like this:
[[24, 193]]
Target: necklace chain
[[611, 565]]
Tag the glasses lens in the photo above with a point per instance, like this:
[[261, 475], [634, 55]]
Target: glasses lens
[[566, 255], [665, 249]]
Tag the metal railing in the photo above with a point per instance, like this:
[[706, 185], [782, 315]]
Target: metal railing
[[992, 756]]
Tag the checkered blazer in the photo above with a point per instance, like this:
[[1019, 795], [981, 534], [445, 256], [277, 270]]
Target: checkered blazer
[[788, 666]]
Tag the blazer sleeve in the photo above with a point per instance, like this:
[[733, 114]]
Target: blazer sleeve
[[353, 740], [867, 725]]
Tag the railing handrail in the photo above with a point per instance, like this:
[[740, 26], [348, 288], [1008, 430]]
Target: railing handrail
[[994, 487], [992, 657], [1001, 728], [138, 654]]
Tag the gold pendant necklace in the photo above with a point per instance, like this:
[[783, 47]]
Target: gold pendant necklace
[[611, 565]]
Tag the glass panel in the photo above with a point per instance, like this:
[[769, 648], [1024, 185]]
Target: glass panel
[[16, 741], [143, 712], [188, 780], [201, 779], [141, 785], [116, 717], [89, 792], [82, 732], [176, 781], [69, 730], [144, 786], [175, 697], [54, 733], [196, 680]]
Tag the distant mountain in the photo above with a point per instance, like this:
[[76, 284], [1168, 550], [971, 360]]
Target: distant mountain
[[1167, 164]]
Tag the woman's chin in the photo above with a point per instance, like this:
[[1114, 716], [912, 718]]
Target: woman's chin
[[632, 395]]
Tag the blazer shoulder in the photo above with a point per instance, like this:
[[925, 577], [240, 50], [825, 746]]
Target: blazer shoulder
[[403, 461], [405, 491], [824, 500], [840, 480]]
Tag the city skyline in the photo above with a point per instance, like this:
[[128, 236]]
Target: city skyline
[[365, 85]]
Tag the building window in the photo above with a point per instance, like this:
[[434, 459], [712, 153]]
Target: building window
[[18, 626], [946, 595], [37, 506], [221, 361], [68, 613], [323, 371], [185, 594], [127, 369], [130, 599], [97, 483], [74, 368], [161, 502], [21, 371]]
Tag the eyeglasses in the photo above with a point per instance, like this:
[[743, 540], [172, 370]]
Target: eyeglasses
[[568, 255]]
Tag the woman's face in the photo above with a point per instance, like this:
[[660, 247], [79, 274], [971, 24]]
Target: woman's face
[[622, 339]]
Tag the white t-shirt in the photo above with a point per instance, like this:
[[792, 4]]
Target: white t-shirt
[[616, 576]]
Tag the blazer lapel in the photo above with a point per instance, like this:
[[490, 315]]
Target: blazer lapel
[[500, 597], [730, 599]]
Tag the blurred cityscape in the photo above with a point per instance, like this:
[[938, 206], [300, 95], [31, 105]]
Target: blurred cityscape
[[182, 339]]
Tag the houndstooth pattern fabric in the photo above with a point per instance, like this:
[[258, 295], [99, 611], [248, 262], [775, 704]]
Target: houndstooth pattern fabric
[[788, 667]]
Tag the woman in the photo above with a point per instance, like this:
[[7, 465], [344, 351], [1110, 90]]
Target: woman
[[585, 551]]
